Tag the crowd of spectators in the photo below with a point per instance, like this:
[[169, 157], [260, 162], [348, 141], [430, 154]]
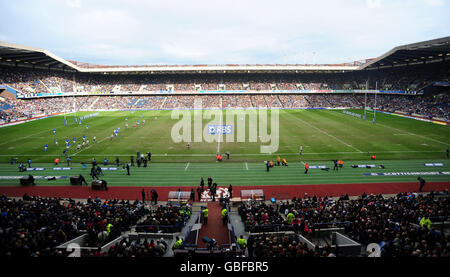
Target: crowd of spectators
[[127, 248], [258, 101], [392, 222], [255, 215], [169, 217], [434, 106], [282, 246], [35, 226], [293, 101], [22, 109], [30, 81]]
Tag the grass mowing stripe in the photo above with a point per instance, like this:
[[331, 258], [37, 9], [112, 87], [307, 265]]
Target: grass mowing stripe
[[86, 148], [399, 130], [444, 143], [31, 136], [405, 165], [250, 183], [326, 133], [256, 154], [154, 136]]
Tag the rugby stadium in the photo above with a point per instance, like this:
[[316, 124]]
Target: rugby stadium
[[298, 154]]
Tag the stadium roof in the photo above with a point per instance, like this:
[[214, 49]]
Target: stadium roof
[[436, 50], [24, 56]]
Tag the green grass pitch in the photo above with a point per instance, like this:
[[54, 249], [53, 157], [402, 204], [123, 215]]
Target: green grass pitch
[[399, 143]]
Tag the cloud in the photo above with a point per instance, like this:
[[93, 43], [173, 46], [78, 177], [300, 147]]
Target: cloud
[[434, 3], [373, 3], [216, 31], [73, 3]]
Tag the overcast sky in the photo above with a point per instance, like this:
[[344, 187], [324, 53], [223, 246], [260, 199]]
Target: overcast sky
[[132, 32]]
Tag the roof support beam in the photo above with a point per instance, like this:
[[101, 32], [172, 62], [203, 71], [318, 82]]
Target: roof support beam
[[51, 64], [21, 55], [33, 58], [42, 61]]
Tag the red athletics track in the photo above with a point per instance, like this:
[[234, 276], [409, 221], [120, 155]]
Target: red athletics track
[[133, 193]]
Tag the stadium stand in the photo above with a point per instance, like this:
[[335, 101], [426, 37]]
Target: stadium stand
[[429, 106], [29, 81], [166, 219], [42, 92], [35, 226], [394, 222]]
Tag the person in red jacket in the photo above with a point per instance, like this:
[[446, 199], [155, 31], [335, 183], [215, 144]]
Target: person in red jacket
[[306, 168], [306, 229]]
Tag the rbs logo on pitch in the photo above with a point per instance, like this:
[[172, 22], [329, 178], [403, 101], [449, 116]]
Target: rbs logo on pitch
[[220, 129]]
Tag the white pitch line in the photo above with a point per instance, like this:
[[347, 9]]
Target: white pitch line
[[218, 146], [401, 133], [89, 147], [409, 133], [40, 132], [213, 155], [30, 136], [185, 169], [343, 142], [220, 134], [246, 165]]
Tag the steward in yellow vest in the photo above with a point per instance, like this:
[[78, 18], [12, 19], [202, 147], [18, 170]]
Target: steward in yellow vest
[[242, 242], [225, 216], [205, 216]]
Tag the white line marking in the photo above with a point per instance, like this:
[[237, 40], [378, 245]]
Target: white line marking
[[401, 132], [324, 132], [246, 165], [185, 169], [213, 155], [87, 147], [220, 133], [30, 136], [409, 133]]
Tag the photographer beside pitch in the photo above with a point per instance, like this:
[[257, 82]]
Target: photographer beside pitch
[[421, 183]]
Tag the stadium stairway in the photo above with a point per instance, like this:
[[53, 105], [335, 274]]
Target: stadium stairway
[[164, 102], [93, 103], [215, 229]]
